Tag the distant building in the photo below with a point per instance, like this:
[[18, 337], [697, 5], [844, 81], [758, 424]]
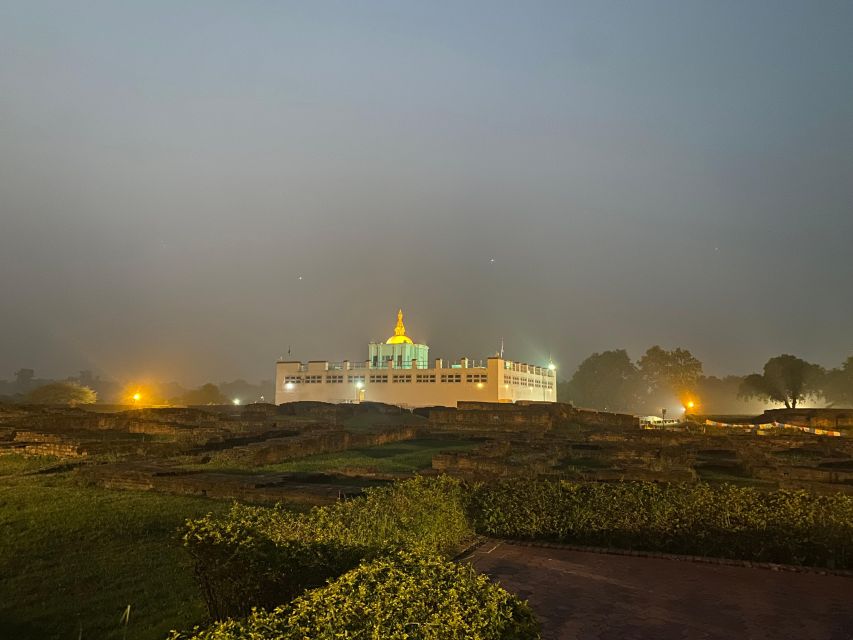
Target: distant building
[[398, 371]]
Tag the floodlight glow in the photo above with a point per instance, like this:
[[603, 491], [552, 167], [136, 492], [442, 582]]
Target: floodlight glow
[[552, 366], [236, 401], [137, 397], [289, 386], [359, 385], [479, 385]]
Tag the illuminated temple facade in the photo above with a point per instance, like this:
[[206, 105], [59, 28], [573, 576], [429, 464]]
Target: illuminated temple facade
[[398, 371]]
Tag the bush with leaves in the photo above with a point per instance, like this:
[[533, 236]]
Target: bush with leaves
[[792, 527], [404, 595], [264, 557]]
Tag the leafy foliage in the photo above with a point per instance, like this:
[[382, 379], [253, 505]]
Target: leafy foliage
[[606, 381], [675, 371], [69, 393], [206, 394], [786, 379], [838, 385], [259, 556], [404, 595], [793, 527]]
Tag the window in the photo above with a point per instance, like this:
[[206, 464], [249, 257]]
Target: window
[[292, 379], [334, 379], [425, 377], [477, 377], [313, 379], [355, 379], [451, 377], [402, 378], [379, 378]]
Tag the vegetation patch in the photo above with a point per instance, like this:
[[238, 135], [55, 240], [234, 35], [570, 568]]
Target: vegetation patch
[[397, 457], [791, 527], [72, 559], [404, 595], [264, 557]]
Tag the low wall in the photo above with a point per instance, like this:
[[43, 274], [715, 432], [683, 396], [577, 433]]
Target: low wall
[[537, 416], [815, 418], [277, 450]]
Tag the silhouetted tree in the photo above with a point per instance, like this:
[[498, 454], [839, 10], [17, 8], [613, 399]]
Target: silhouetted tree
[[206, 394], [69, 393], [606, 380], [24, 380], [675, 371], [838, 384], [786, 379]]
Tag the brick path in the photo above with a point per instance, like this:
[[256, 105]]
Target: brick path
[[582, 595]]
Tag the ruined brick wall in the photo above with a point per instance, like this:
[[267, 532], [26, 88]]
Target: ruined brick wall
[[526, 415], [815, 418], [604, 419], [277, 450], [519, 418]]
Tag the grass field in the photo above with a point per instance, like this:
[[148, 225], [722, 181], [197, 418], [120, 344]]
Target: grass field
[[72, 558], [396, 457]]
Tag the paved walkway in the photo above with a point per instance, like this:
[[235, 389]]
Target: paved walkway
[[580, 595]]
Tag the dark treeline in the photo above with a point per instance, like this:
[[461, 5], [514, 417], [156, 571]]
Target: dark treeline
[[674, 379], [87, 388], [609, 381]]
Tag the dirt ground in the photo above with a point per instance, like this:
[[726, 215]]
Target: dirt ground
[[582, 595]]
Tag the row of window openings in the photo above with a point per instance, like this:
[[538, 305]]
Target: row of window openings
[[479, 378], [534, 383]]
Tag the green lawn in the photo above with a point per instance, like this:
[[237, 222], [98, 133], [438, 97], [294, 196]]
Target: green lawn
[[396, 457], [74, 557]]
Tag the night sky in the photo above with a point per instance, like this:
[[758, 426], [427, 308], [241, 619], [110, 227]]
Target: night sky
[[188, 188]]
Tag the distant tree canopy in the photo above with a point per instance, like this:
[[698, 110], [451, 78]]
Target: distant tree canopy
[[676, 372], [606, 380], [786, 380], [206, 394], [69, 393], [838, 384], [609, 380]]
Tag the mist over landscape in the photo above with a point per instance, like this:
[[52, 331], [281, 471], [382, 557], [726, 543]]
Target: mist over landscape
[[426, 321], [188, 191]]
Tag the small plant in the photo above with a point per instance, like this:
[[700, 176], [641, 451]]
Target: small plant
[[264, 557], [402, 596]]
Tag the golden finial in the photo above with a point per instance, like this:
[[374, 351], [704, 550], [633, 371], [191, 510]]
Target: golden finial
[[399, 331]]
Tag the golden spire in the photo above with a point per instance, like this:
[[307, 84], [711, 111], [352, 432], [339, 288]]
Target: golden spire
[[399, 336]]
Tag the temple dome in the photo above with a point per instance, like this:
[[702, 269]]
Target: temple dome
[[399, 336]]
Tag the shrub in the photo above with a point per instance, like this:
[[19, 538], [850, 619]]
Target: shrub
[[793, 527], [404, 595], [264, 557]]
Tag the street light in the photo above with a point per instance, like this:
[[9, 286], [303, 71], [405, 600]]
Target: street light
[[236, 401]]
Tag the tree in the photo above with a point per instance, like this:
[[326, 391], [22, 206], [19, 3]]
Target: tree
[[605, 380], [69, 393], [24, 379], [675, 371], [838, 384], [206, 394], [786, 380]]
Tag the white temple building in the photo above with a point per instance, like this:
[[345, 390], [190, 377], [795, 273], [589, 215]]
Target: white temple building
[[398, 371]]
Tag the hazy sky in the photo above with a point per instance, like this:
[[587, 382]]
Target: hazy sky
[[187, 188]]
